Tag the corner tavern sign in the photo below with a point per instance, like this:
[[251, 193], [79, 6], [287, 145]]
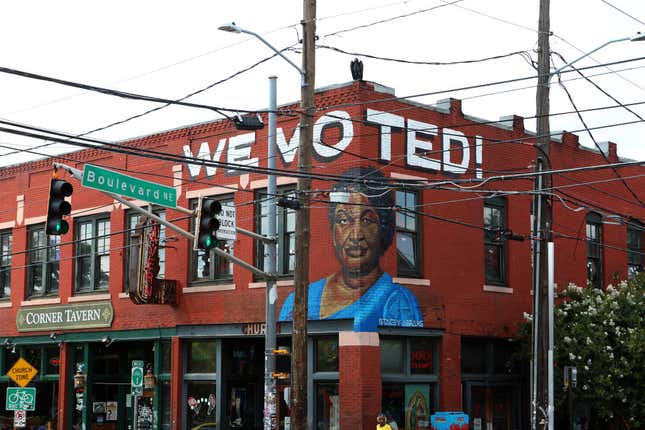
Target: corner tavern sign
[[72, 316]]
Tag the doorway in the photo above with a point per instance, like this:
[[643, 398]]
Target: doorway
[[243, 383], [493, 407]]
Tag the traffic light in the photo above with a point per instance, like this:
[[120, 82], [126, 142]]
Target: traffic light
[[58, 207], [207, 224]]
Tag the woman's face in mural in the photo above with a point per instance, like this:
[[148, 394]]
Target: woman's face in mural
[[357, 235]]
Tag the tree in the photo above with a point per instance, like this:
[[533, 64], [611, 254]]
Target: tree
[[602, 334]]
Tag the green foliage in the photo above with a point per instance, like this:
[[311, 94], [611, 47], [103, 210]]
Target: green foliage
[[602, 334]]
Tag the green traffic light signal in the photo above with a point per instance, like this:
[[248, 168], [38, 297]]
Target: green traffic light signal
[[57, 207], [207, 224]]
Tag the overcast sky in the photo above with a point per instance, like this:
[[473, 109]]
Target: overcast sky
[[170, 49]]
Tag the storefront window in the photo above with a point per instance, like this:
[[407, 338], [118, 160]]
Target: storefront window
[[421, 354], [327, 406], [327, 354], [410, 376], [52, 361], [165, 357], [201, 405], [202, 357], [408, 405], [391, 356]]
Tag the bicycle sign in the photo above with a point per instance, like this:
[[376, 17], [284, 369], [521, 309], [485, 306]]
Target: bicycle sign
[[21, 399]]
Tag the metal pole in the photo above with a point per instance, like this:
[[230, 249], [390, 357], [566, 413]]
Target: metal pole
[[303, 233], [271, 290], [551, 410]]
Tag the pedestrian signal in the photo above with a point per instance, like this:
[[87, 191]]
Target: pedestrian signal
[[58, 207]]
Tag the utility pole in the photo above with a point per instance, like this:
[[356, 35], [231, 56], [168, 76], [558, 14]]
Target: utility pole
[[303, 233], [543, 210], [271, 290]]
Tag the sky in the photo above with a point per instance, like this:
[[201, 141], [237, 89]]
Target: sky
[[169, 49]]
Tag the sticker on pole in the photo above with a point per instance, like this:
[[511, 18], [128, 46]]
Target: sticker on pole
[[20, 419]]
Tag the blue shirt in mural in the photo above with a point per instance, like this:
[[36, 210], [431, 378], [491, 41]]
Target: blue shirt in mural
[[383, 304]]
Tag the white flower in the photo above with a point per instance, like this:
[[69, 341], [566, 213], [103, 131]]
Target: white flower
[[586, 367], [572, 356], [567, 339], [608, 348], [584, 387], [528, 317], [589, 342]]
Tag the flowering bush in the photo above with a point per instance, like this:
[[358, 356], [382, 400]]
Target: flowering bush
[[601, 333]]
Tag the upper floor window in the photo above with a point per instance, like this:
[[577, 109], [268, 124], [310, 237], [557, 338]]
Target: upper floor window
[[5, 264], [207, 265], [494, 247], [285, 232], [594, 250], [407, 234], [132, 219], [635, 258], [44, 263], [92, 254]]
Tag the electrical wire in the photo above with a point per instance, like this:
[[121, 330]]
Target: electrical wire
[[426, 63], [598, 146]]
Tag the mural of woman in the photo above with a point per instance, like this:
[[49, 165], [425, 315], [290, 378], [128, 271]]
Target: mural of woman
[[362, 229]]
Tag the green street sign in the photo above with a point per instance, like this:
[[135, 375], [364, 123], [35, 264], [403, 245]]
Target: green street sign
[[117, 183], [21, 399], [136, 378]]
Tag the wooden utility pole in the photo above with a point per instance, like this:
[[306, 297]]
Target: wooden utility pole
[[543, 212], [301, 273]]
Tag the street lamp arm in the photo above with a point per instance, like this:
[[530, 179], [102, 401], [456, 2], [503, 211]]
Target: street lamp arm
[[637, 38], [233, 28]]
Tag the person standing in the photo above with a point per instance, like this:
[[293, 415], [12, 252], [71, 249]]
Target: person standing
[[381, 423]]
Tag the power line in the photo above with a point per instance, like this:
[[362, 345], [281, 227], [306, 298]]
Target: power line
[[598, 146], [426, 63]]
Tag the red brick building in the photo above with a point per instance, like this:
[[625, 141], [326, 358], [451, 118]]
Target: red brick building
[[430, 334]]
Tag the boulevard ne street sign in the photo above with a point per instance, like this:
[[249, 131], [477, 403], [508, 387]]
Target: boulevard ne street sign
[[117, 183]]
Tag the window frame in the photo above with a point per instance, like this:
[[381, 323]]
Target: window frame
[[46, 264], [214, 260], [492, 239], [416, 270], [635, 241], [130, 215], [5, 255], [283, 234], [594, 221], [94, 256]]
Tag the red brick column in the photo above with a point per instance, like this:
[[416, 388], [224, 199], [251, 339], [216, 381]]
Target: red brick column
[[175, 383], [64, 369], [450, 374], [360, 380]]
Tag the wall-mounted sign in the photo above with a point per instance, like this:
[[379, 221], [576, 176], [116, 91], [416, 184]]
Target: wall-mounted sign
[[256, 329], [65, 317]]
